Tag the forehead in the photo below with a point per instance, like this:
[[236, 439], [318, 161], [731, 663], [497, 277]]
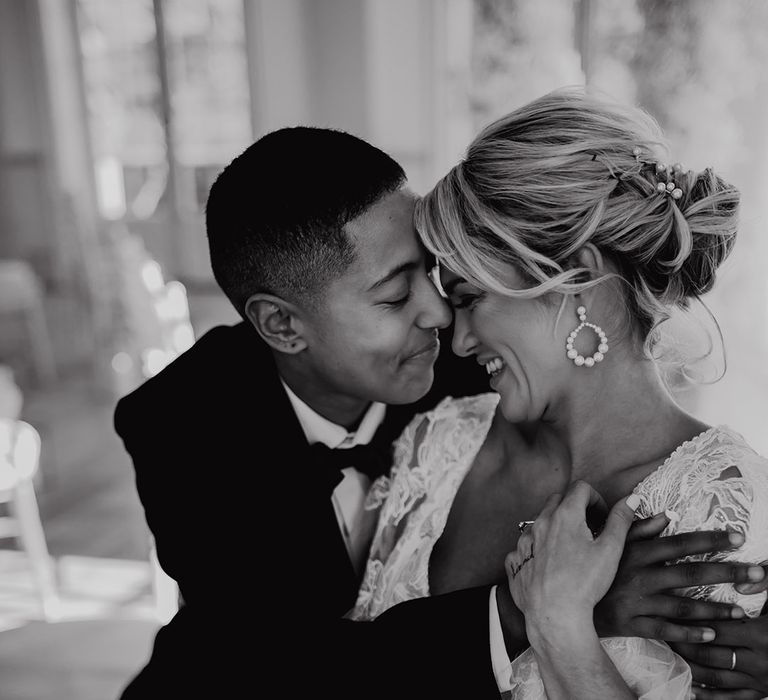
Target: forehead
[[384, 237], [506, 274]]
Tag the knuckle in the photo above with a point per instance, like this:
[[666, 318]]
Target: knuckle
[[712, 677], [634, 552], [694, 634], [679, 546], [737, 573], [693, 573], [704, 654], [718, 539], [722, 612], [685, 607], [691, 652]]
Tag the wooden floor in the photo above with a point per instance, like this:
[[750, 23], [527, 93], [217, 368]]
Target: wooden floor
[[96, 534]]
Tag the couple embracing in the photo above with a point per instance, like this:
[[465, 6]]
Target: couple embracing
[[437, 459]]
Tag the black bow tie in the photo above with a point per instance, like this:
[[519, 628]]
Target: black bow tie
[[368, 459]]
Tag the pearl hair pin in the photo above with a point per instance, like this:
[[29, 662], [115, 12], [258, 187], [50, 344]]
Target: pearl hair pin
[[602, 348], [668, 185]]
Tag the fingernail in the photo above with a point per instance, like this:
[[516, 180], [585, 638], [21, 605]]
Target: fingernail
[[736, 539], [692, 696], [755, 573], [633, 501], [708, 634], [737, 613]]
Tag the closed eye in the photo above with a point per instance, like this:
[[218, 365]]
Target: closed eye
[[466, 301], [396, 303]]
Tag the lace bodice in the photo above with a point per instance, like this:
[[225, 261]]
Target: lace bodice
[[714, 481], [431, 458]]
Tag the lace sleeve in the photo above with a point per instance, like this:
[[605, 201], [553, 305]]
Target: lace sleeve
[[715, 483]]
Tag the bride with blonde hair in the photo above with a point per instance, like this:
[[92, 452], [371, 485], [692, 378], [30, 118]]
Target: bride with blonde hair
[[564, 241]]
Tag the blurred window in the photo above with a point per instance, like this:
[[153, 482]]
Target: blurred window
[[168, 100]]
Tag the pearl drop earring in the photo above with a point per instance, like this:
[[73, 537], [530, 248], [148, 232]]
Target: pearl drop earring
[[602, 348]]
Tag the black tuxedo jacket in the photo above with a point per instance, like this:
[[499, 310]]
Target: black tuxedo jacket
[[246, 526]]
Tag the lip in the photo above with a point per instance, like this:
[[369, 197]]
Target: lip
[[494, 380], [430, 350]]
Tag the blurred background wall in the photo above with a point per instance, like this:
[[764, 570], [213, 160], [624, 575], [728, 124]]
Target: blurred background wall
[[116, 115]]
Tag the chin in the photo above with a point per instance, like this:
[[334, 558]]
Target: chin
[[514, 412], [412, 390]]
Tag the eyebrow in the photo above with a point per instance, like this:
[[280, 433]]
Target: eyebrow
[[405, 267]]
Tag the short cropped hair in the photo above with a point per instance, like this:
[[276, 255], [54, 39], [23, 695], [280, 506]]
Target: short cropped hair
[[275, 215], [571, 168]]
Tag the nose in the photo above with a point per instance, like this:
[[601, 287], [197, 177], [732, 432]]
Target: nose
[[463, 342], [435, 312]]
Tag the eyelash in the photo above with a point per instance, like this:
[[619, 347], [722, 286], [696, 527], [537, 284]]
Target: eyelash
[[467, 301], [397, 303]]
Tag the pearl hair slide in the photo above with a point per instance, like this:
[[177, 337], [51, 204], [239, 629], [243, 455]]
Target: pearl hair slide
[[666, 185]]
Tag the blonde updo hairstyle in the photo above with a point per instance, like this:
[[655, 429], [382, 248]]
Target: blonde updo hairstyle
[[568, 169]]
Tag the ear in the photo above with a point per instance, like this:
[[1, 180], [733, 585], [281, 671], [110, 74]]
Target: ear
[[590, 258], [277, 321]]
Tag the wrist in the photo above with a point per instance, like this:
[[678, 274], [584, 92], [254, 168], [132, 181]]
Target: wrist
[[559, 630]]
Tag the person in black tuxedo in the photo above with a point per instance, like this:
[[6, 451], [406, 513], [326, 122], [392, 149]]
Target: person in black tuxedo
[[343, 341]]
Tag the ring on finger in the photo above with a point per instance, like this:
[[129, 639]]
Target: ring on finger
[[524, 524], [733, 659]]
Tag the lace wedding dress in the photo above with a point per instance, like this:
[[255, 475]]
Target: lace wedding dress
[[714, 481]]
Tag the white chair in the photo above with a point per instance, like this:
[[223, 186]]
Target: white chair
[[19, 462]]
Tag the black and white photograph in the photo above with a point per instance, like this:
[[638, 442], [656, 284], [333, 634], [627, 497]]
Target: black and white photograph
[[376, 349]]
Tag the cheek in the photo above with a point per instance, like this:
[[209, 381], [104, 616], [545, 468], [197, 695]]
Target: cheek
[[490, 326], [536, 352], [379, 344]]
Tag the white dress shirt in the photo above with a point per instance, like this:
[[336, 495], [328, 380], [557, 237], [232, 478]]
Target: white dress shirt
[[357, 525]]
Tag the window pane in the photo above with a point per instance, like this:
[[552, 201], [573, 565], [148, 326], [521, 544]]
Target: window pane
[[208, 82], [123, 100]]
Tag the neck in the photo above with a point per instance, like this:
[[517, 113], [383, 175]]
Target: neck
[[325, 400], [620, 420]]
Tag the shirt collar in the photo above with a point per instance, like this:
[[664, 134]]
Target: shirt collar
[[319, 429]]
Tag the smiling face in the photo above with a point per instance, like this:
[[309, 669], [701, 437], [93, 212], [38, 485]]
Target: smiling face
[[518, 341], [374, 336]]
